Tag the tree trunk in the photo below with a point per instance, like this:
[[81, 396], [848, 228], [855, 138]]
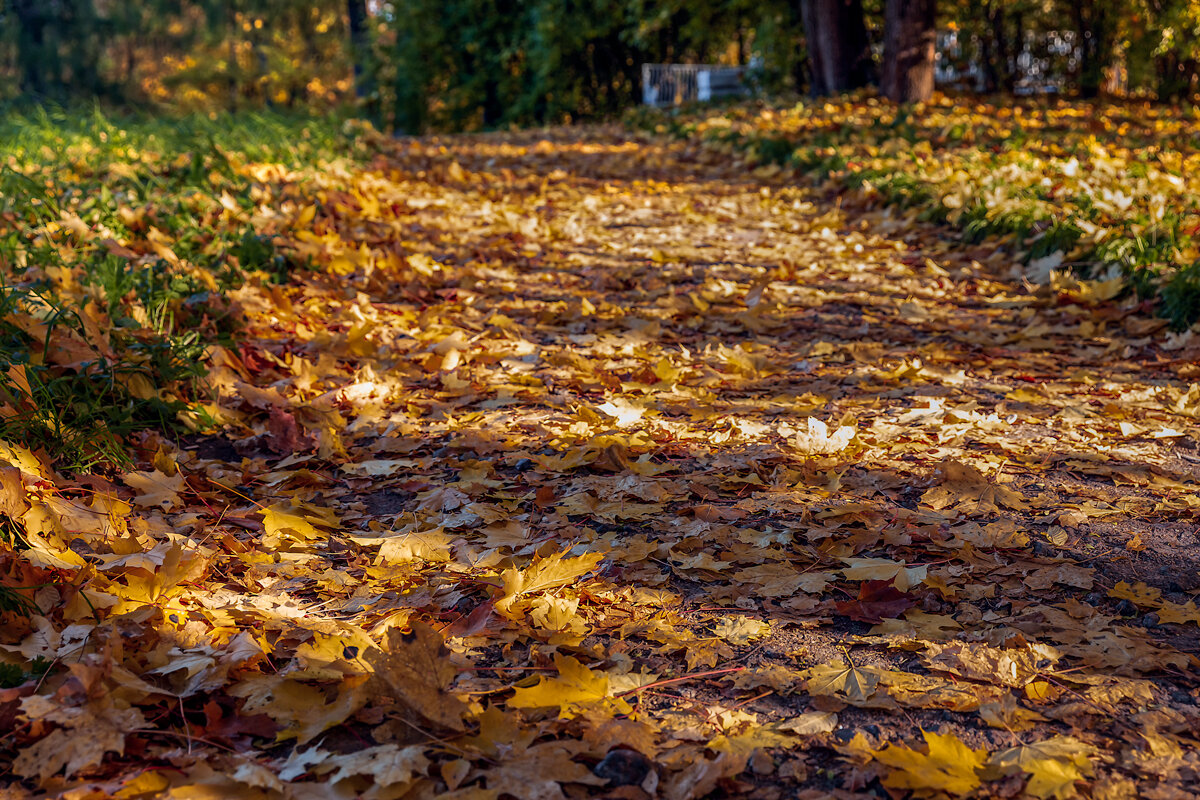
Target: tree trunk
[[35, 59], [1000, 61], [1017, 49], [909, 42], [839, 54], [1176, 77], [1094, 28], [233, 67], [364, 84], [987, 53]]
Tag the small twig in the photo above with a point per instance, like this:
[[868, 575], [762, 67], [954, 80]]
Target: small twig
[[231, 490], [45, 675], [680, 679], [187, 729], [155, 732], [444, 742], [677, 697], [752, 699]]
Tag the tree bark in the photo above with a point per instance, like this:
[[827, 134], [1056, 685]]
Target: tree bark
[[356, 11], [839, 53], [1094, 27], [909, 42], [1176, 77], [34, 58], [999, 61], [1017, 49]]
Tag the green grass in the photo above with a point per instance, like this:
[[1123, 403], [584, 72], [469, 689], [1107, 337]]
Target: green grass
[[13, 675], [77, 189], [1106, 186]]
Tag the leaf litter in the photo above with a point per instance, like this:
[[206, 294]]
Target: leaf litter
[[590, 466]]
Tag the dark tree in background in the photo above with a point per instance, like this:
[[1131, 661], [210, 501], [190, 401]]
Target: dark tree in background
[[356, 14], [33, 61], [230, 53], [1001, 39], [1095, 28], [58, 47], [417, 65], [909, 44], [839, 53]]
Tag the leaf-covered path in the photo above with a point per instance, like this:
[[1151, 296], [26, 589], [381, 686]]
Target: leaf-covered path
[[708, 485]]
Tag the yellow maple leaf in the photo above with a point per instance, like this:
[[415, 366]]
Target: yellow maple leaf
[[969, 491], [302, 711], [543, 574], [855, 684], [1138, 593], [741, 630], [1053, 765], [387, 764], [932, 691], [156, 489], [1007, 713], [809, 723], [947, 766], [285, 524], [416, 670], [575, 686], [1013, 666], [20, 457], [98, 728], [742, 745], [536, 773], [1179, 613]]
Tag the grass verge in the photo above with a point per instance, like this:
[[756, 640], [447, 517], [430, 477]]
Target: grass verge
[[1104, 190], [120, 241]]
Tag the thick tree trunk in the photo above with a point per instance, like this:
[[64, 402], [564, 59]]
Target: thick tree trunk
[[909, 42], [839, 53]]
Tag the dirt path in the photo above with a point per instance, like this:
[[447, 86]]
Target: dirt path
[[612, 414]]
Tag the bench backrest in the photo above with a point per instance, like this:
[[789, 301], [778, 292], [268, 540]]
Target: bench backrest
[[672, 84]]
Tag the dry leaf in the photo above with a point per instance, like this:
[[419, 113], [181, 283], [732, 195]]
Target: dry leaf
[[414, 671]]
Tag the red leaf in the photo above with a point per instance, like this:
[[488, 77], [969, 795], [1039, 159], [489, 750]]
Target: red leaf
[[284, 436], [877, 601], [221, 727]]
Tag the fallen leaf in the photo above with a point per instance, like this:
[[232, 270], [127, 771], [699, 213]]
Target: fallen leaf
[[575, 687], [414, 671], [945, 766], [816, 439], [969, 491], [154, 489]]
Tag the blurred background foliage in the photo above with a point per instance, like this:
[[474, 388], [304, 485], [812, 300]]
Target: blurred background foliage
[[205, 55], [416, 65]]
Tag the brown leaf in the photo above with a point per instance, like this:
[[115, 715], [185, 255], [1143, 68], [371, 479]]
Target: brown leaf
[[877, 601], [284, 436], [968, 490], [415, 670]]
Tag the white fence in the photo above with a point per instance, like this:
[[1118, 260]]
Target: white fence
[[672, 84]]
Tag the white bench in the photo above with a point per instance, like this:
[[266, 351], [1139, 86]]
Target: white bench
[[673, 84]]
